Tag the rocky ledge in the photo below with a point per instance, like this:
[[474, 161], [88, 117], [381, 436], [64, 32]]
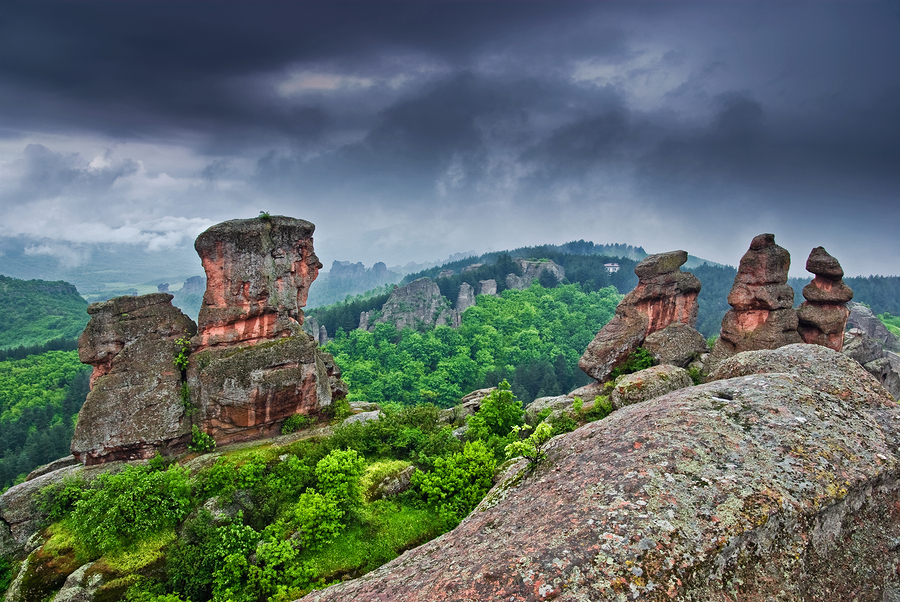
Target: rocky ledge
[[777, 483]]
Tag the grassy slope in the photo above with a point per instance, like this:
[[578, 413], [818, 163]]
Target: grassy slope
[[33, 312]]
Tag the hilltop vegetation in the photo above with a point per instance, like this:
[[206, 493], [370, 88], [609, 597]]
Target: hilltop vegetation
[[532, 337], [33, 312]]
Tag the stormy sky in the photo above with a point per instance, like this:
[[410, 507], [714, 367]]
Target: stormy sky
[[407, 131]]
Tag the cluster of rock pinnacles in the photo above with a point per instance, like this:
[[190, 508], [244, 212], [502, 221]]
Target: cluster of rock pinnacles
[[660, 314], [250, 365]]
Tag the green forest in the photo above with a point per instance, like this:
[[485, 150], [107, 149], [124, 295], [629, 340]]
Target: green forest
[[532, 337], [33, 312]]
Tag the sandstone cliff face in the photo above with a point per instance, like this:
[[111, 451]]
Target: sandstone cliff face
[[823, 316], [134, 402], [251, 365], [664, 295], [776, 486], [762, 314], [258, 274]]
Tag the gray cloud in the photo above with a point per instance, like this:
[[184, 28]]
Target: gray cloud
[[493, 123]]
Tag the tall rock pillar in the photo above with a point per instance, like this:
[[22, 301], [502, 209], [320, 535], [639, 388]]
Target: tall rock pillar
[[762, 314], [823, 316]]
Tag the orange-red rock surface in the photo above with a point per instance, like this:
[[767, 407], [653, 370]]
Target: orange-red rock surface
[[258, 276], [664, 295], [823, 316]]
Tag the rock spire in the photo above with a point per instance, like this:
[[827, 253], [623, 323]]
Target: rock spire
[[823, 316]]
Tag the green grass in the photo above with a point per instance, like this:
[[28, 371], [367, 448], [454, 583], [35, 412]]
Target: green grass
[[892, 323], [385, 530]]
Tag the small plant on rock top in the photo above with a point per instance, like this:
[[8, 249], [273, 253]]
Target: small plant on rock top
[[182, 351], [531, 447]]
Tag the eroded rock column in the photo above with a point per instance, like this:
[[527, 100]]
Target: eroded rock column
[[823, 316], [258, 276], [762, 314]]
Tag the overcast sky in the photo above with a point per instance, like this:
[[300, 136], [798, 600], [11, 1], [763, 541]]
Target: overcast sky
[[407, 131]]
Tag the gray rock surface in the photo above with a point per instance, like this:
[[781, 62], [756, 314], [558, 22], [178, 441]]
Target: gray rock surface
[[134, 407], [647, 384], [466, 297], [557, 405], [531, 271], [80, 586], [363, 417], [419, 303], [862, 317], [677, 344], [879, 363], [761, 487], [487, 287], [394, 485]]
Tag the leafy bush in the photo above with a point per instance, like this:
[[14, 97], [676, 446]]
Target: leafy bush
[[295, 423], [458, 482], [338, 477], [117, 509], [201, 442], [531, 448], [58, 499], [499, 413], [639, 360]]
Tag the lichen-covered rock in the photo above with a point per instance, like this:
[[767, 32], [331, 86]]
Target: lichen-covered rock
[[664, 295], [877, 362], [363, 417], [823, 316], [862, 317], [258, 275], [557, 405], [649, 383], [762, 314], [134, 407], [677, 344], [394, 485], [756, 488], [467, 406]]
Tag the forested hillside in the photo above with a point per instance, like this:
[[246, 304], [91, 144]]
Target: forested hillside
[[532, 337], [33, 312], [40, 396]]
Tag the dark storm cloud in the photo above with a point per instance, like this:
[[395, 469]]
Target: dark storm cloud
[[664, 119]]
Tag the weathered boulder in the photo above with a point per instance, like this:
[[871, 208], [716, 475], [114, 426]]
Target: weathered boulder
[[664, 295], [465, 298], [395, 484], [677, 344], [762, 314], [823, 316], [877, 362], [417, 304], [363, 417], [557, 405], [134, 408], [467, 406], [649, 383], [531, 271], [862, 317], [258, 274], [755, 488], [487, 287]]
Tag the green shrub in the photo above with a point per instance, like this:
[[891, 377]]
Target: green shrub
[[117, 509], [639, 360], [295, 423], [499, 413], [601, 409], [201, 442], [531, 448], [338, 477], [58, 499], [458, 482]]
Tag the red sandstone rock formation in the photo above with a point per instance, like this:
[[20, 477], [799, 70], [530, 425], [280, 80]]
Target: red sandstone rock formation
[[823, 316], [252, 366], [258, 276], [134, 407], [762, 316], [664, 295]]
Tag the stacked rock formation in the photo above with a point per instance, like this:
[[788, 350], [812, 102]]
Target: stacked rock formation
[[823, 316], [258, 273], [664, 295], [533, 270], [762, 314], [134, 405], [233, 388], [779, 483]]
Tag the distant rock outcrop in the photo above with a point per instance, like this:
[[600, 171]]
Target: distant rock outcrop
[[258, 275], [779, 483], [863, 318], [762, 314], [134, 406], [487, 287], [531, 271], [878, 362], [823, 316], [664, 295], [250, 365], [417, 304]]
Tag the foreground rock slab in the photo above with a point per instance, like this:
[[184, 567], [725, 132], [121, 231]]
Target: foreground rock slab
[[777, 486]]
